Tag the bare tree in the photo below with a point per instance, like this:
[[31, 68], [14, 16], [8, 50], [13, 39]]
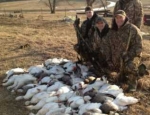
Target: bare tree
[[51, 4], [90, 2]]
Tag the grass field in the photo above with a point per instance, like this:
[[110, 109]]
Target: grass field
[[48, 38]]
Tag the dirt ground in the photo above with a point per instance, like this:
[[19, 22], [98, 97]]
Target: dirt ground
[[48, 39]]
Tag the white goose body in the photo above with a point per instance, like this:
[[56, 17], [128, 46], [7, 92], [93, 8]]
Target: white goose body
[[83, 68], [22, 80], [56, 76], [10, 81], [89, 106], [37, 97], [60, 111], [75, 101], [55, 86], [110, 89], [42, 102], [76, 80], [111, 106], [123, 100], [25, 88], [56, 70], [31, 92], [69, 66], [54, 61], [47, 107], [63, 89], [78, 85], [45, 80], [66, 96], [36, 70], [96, 85], [12, 71]]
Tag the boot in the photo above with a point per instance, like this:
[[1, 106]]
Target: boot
[[132, 83]]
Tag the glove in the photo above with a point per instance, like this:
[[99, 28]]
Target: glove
[[77, 22], [125, 57]]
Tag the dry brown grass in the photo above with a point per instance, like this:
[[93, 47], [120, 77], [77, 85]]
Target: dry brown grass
[[144, 83], [46, 39], [49, 38]]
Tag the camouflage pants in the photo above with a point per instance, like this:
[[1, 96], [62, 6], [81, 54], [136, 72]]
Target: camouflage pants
[[82, 51]]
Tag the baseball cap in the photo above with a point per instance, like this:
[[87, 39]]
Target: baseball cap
[[120, 12]]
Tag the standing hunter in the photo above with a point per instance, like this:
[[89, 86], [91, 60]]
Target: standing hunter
[[123, 50], [133, 9], [84, 33]]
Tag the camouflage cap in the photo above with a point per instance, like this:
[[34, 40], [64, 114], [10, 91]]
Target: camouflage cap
[[120, 12], [99, 19]]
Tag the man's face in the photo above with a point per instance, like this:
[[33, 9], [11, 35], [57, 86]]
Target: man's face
[[89, 14], [120, 19], [100, 25]]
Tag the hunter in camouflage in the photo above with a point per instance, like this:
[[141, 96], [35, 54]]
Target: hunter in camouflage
[[133, 9], [123, 49], [84, 33], [99, 31], [89, 23]]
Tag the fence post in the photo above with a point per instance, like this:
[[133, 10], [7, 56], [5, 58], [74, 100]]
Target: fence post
[[4, 12]]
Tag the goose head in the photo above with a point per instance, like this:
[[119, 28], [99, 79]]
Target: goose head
[[77, 86], [69, 66]]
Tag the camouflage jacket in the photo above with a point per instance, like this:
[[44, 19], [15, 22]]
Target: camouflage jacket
[[87, 26], [84, 33], [97, 37], [115, 47], [133, 9]]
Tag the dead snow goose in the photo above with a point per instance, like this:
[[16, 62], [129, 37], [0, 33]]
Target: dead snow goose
[[79, 85], [66, 96], [45, 80], [93, 112], [57, 69], [66, 79], [37, 97], [111, 106], [42, 102], [89, 106], [63, 89], [96, 85], [60, 111], [101, 98], [55, 86], [110, 89], [25, 88], [54, 61], [12, 72], [47, 107], [22, 80], [123, 100], [31, 92], [69, 66], [75, 80], [10, 81], [83, 68], [76, 101], [36, 70]]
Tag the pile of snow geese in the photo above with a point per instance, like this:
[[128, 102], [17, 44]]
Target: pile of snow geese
[[63, 87]]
